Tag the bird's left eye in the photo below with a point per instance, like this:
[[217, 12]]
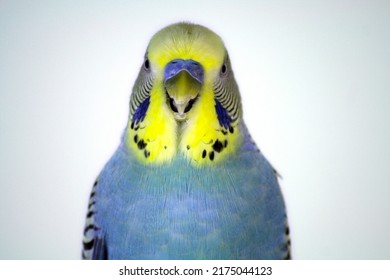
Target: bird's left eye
[[223, 68]]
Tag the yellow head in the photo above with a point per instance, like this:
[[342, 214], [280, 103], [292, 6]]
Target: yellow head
[[185, 99]]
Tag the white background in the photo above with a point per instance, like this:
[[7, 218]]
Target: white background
[[314, 79]]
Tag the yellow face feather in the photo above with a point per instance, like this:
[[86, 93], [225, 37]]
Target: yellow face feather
[[203, 140], [200, 137], [154, 139], [196, 42]]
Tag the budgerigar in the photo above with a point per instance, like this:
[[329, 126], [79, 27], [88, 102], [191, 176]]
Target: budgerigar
[[187, 181]]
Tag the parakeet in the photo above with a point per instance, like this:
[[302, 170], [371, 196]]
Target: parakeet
[[187, 181]]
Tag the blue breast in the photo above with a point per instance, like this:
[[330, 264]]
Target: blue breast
[[233, 210]]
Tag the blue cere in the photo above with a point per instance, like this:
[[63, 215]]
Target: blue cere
[[191, 66]]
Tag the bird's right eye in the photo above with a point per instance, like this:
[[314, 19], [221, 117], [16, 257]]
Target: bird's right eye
[[147, 64]]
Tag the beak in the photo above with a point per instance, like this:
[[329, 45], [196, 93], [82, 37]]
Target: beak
[[183, 80]]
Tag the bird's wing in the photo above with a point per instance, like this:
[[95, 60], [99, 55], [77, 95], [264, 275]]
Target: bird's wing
[[94, 245]]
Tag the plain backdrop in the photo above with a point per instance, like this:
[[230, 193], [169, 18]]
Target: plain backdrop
[[315, 84]]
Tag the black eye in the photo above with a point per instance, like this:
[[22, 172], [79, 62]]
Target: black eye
[[223, 69], [147, 64]]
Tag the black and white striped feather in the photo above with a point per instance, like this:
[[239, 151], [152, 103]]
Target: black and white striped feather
[[226, 91]]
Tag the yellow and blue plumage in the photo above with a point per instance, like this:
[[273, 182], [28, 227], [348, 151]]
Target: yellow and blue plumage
[[187, 181]]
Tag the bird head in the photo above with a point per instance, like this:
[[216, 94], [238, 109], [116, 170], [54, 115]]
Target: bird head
[[184, 97]]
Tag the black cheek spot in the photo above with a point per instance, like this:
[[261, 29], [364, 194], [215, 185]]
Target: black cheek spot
[[146, 153], [211, 155], [141, 144], [225, 143], [135, 138], [165, 147], [231, 129], [217, 146], [188, 147], [204, 154]]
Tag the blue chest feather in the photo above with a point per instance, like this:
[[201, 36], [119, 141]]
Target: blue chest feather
[[230, 211]]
